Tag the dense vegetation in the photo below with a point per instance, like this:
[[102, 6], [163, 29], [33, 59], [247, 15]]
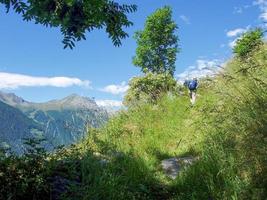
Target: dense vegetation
[[225, 131]]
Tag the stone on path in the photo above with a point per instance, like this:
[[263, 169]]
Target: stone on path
[[172, 166]]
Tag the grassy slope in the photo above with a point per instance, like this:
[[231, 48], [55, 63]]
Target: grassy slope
[[134, 143], [226, 129]]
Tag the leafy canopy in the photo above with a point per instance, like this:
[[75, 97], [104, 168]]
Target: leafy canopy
[[75, 17], [248, 42], [157, 43]]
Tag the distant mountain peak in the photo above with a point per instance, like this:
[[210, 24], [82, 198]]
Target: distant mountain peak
[[61, 121], [73, 102], [12, 99], [77, 100], [75, 97]]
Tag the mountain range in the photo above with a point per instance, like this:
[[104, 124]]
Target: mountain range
[[59, 122]]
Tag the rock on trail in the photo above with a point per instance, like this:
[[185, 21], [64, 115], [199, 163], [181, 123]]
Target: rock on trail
[[172, 166]]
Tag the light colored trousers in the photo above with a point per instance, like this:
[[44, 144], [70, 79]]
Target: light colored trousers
[[192, 94]]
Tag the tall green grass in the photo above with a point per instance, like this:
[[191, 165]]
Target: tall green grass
[[226, 130], [133, 144], [234, 152]]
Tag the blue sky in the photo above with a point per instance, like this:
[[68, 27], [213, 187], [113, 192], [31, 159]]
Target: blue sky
[[32, 57]]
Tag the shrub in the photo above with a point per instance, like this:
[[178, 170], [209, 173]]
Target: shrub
[[248, 42], [149, 88], [24, 177]]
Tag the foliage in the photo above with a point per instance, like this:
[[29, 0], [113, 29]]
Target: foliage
[[149, 88], [157, 43], [76, 17], [24, 177], [37, 174], [248, 42]]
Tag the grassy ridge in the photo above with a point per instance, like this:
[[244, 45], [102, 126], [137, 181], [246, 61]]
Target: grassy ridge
[[226, 130]]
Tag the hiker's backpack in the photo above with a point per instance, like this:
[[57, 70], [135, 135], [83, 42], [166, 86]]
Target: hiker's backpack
[[192, 85]]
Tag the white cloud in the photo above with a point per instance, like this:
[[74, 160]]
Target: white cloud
[[263, 15], [206, 64], [14, 81], [203, 68], [116, 89], [185, 19], [263, 8], [109, 103], [236, 32]]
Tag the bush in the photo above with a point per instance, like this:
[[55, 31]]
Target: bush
[[248, 42], [39, 175], [149, 88], [24, 177]]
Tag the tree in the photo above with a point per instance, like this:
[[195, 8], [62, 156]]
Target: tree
[[75, 17], [248, 42], [157, 43]]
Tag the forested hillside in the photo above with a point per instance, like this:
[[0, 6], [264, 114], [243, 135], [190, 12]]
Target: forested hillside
[[15, 126], [59, 122]]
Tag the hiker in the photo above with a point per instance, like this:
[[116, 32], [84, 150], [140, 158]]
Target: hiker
[[192, 86]]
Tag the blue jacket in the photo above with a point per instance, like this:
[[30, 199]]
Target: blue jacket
[[192, 85]]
